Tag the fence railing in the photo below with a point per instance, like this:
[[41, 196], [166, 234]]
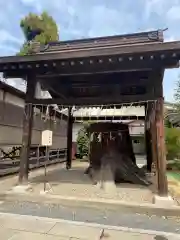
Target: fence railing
[[10, 166], [38, 154]]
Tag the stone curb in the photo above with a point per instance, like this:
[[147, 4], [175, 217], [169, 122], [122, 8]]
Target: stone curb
[[91, 225], [45, 198]]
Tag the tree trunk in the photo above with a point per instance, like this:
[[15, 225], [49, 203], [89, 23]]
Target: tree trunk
[[112, 159]]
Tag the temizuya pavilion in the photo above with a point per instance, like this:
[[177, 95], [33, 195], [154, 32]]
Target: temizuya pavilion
[[100, 71]]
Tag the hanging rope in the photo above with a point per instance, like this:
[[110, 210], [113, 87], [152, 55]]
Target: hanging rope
[[96, 111], [114, 112], [119, 105]]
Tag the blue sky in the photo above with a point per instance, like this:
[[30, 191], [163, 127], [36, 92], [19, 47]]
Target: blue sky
[[91, 18]]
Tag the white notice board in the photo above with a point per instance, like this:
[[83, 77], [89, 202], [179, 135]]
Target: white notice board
[[46, 138]]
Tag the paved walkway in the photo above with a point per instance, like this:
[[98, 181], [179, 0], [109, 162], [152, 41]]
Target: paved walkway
[[118, 216], [19, 227]]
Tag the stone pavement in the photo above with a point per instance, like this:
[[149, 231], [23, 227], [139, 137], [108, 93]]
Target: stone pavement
[[20, 227]]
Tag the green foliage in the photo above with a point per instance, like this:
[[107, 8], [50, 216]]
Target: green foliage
[[39, 28], [172, 133], [174, 166], [177, 96], [172, 143], [83, 140], [167, 123], [177, 92], [25, 49]]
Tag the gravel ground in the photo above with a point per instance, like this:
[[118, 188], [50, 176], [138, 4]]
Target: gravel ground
[[101, 216], [75, 183]]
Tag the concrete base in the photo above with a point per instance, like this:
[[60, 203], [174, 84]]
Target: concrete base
[[48, 189], [42, 192], [106, 181], [164, 201], [21, 188], [108, 186]]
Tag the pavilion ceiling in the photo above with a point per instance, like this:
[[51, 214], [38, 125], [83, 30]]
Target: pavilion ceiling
[[99, 84]]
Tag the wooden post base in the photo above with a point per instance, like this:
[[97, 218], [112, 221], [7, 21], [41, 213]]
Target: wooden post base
[[164, 202]]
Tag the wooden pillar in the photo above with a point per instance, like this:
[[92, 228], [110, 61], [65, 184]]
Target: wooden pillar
[[148, 139], [69, 139], [154, 135], [161, 162], [27, 130], [148, 149]]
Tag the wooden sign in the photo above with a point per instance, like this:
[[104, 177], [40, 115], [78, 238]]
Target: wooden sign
[[46, 138]]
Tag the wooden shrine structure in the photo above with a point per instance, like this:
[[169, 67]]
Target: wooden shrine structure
[[100, 71]]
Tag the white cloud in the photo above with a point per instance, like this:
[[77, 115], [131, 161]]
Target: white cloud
[[154, 6], [170, 39], [174, 13], [28, 2], [5, 47], [162, 8], [6, 37]]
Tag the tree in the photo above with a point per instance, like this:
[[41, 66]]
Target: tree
[[172, 122], [172, 143], [83, 142], [177, 92], [38, 28], [83, 139], [177, 96]]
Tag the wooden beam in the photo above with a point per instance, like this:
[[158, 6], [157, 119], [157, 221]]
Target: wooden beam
[[84, 67], [151, 48], [125, 99], [27, 131], [56, 92], [128, 78], [69, 139]]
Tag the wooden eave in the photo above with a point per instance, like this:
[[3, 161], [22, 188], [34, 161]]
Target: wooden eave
[[118, 58]]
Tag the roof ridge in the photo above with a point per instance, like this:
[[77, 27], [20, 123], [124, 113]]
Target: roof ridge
[[141, 37]]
